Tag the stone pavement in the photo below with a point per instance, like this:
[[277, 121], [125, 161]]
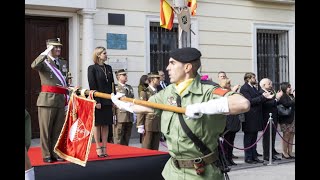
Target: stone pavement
[[279, 170]]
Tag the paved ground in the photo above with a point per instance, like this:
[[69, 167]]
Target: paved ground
[[278, 170]]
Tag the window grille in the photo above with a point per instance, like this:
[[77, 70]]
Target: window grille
[[161, 42], [273, 56]]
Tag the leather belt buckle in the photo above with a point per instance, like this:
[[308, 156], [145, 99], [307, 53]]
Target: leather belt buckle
[[199, 165], [176, 163]]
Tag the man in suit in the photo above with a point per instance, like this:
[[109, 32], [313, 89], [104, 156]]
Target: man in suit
[[253, 118], [52, 99], [269, 106], [163, 83]]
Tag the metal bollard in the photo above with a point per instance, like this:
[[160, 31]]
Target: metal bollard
[[270, 140]]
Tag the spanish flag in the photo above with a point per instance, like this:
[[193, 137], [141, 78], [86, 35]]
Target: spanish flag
[[166, 15], [193, 5]]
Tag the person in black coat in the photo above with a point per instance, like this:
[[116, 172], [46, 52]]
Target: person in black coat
[[287, 123], [253, 118], [100, 78], [269, 106], [233, 125], [163, 83]]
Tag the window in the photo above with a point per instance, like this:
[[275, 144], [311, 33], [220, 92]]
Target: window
[[273, 55], [161, 42]]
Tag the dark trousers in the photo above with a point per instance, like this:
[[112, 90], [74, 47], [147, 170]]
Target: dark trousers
[[248, 140], [266, 142], [228, 150], [122, 133]]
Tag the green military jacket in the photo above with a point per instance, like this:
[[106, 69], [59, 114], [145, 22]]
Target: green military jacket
[[207, 128], [122, 115], [151, 121], [47, 77]]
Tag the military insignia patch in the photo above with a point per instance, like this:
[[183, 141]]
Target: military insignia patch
[[172, 101], [220, 91]]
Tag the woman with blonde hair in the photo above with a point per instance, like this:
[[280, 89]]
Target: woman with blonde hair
[[100, 77]]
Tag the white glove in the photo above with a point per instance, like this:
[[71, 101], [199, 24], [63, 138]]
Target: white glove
[[46, 52], [120, 104], [29, 174], [141, 129], [214, 106]]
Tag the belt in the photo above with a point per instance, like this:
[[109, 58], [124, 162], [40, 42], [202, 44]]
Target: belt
[[56, 89], [53, 89], [189, 163]]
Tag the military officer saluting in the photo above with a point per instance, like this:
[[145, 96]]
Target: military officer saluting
[[53, 97], [205, 105], [148, 124], [124, 119]]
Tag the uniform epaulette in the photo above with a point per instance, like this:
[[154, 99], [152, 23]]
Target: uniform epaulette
[[220, 91]]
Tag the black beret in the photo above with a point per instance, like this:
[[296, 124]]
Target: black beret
[[185, 55]]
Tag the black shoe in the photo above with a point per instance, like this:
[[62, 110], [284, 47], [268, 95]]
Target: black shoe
[[292, 157], [234, 157], [60, 159], [258, 160], [275, 152], [48, 160], [250, 161], [232, 162], [283, 156], [274, 157], [259, 155]]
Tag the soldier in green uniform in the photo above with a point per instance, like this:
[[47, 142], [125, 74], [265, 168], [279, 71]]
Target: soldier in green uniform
[[148, 124], [206, 106], [124, 119], [52, 99]]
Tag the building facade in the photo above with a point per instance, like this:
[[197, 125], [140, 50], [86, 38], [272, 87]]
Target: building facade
[[235, 36]]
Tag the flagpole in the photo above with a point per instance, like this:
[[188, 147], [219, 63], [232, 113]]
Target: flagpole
[[136, 101]]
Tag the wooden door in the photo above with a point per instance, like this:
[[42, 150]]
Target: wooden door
[[37, 31]]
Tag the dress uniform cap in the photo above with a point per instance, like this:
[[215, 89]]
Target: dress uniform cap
[[185, 55], [121, 71], [54, 42], [154, 75]]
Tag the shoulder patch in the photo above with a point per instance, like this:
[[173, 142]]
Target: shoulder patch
[[219, 91]]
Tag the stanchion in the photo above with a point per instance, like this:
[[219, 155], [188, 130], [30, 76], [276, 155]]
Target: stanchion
[[270, 142]]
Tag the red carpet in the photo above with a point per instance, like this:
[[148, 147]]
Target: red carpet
[[114, 151]]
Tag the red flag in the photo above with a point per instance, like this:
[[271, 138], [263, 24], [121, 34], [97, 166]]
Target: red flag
[[166, 15], [193, 6], [74, 142]]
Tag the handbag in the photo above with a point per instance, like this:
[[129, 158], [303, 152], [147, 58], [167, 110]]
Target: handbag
[[284, 111]]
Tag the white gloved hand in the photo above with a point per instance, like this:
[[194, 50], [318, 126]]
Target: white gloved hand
[[193, 111], [120, 104], [29, 174], [141, 129], [214, 106], [46, 52]]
